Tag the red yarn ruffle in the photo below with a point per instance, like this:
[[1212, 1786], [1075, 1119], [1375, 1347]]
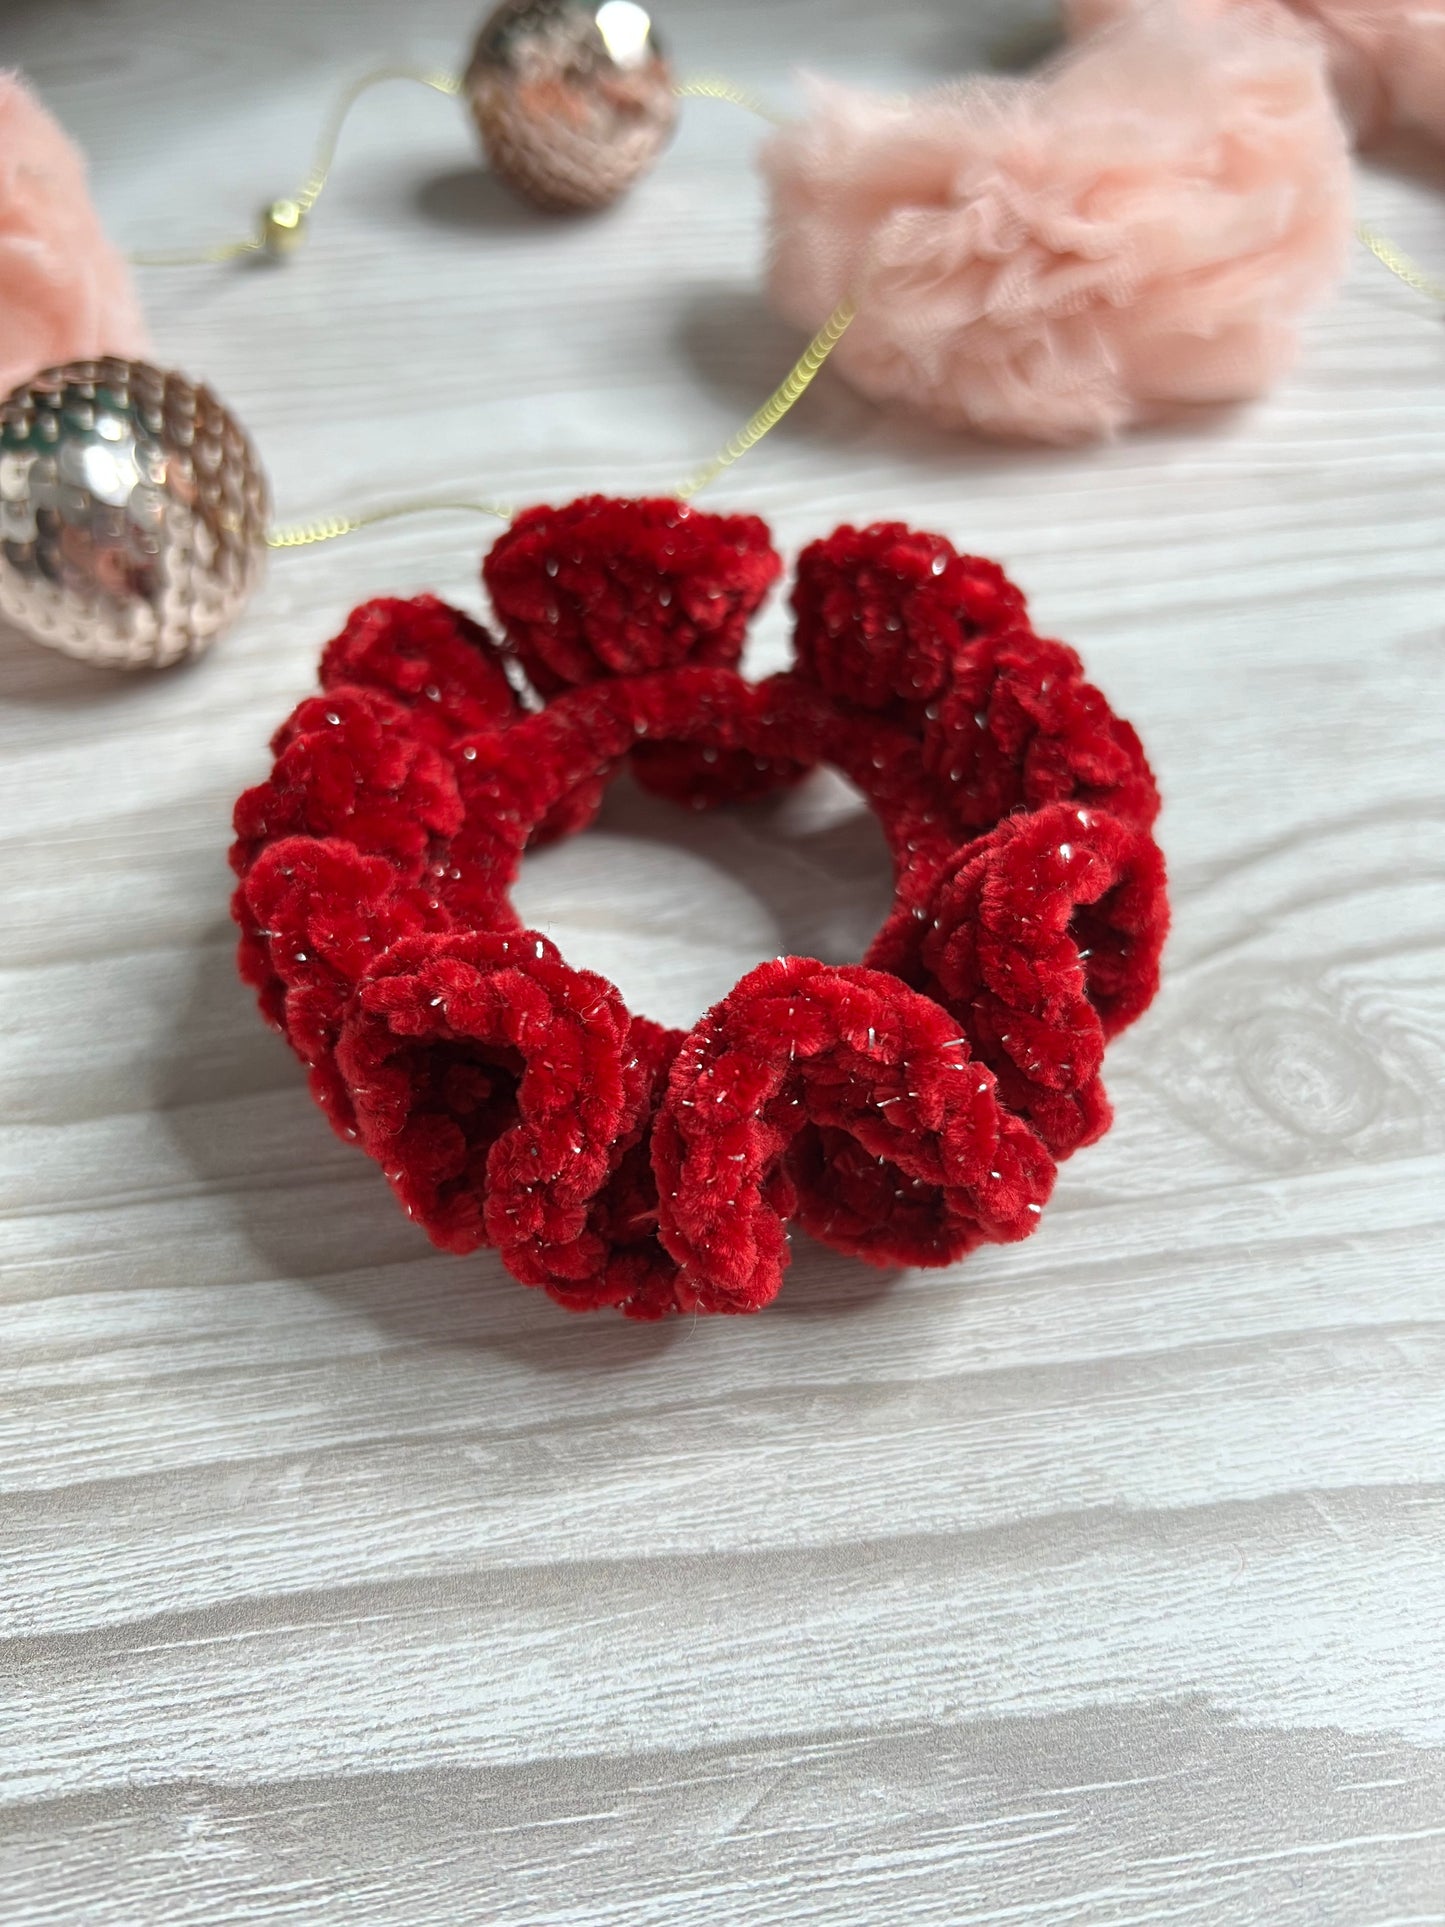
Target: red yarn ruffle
[[903, 1111]]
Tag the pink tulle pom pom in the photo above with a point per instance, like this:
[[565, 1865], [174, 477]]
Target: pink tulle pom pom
[[1387, 57], [1137, 229], [64, 290]]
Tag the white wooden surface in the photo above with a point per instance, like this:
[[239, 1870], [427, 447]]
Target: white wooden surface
[[1101, 1582]]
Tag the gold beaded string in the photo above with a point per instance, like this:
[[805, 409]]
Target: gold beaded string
[[714, 87], [783, 397], [795, 384], [330, 528], [283, 222], [1400, 264]]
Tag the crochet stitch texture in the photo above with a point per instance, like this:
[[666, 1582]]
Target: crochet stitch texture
[[903, 1110]]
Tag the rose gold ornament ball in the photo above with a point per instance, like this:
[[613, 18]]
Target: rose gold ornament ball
[[573, 99], [133, 513]]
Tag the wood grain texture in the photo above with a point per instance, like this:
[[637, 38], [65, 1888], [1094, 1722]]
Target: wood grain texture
[[1101, 1581]]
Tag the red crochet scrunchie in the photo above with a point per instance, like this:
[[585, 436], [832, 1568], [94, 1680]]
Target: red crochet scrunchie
[[905, 1109]]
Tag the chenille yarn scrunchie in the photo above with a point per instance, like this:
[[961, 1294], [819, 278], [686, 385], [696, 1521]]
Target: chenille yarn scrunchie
[[903, 1110]]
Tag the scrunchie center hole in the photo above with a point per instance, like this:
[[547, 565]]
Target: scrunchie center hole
[[674, 906]]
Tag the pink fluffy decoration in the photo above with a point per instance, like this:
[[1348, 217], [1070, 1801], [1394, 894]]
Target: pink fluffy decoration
[[1387, 57], [1135, 230], [64, 290]]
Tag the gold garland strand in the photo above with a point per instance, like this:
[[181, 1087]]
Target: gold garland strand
[[790, 391], [283, 222], [330, 528], [783, 398], [282, 225], [715, 87], [1400, 264]]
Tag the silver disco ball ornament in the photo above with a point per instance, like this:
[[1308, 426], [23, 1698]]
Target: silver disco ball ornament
[[573, 99], [133, 513]]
